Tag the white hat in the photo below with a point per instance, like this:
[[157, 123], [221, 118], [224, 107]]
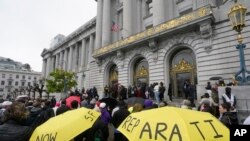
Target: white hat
[[6, 103], [102, 105]]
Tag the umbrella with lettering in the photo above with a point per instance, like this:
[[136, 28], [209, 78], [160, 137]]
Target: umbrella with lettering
[[173, 124], [66, 126]]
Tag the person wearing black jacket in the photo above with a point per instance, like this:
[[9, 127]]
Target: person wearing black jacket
[[63, 108], [227, 118], [13, 128], [99, 131], [118, 118]]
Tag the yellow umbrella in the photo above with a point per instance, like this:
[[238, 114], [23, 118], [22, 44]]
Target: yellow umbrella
[[173, 124], [66, 126]]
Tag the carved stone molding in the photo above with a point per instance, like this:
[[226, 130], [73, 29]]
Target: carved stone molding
[[120, 54], [206, 34], [153, 45], [98, 62], [155, 56]]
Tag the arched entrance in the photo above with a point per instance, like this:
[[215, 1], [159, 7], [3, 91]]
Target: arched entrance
[[182, 68], [140, 73], [113, 75], [113, 80]]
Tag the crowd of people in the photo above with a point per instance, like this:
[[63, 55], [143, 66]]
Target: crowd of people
[[18, 119]]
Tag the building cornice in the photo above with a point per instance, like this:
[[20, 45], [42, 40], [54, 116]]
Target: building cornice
[[193, 18], [90, 24]]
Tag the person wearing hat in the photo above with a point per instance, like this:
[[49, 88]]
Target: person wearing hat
[[105, 116], [208, 100]]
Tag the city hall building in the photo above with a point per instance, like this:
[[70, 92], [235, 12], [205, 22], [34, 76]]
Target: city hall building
[[135, 42]]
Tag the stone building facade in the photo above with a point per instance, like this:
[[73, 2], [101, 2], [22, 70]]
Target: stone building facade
[[15, 78], [167, 41]]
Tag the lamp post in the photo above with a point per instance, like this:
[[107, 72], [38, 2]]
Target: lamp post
[[237, 17]]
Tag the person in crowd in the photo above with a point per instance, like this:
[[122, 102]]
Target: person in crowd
[[98, 132], [205, 107], [122, 92], [105, 116], [221, 82], [84, 102], [106, 91], [29, 105], [72, 97], [226, 117], [229, 98], [118, 118], [63, 108], [48, 112], [170, 92], [13, 128], [56, 106], [130, 89], [186, 104], [4, 105], [209, 86], [74, 104], [207, 99], [161, 91], [52, 102], [156, 92], [137, 107], [35, 112], [186, 89]]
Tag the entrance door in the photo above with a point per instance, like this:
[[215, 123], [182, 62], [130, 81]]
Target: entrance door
[[141, 73], [113, 81], [182, 69]]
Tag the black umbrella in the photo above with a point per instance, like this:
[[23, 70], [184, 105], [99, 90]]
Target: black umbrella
[[111, 102], [134, 100], [215, 78]]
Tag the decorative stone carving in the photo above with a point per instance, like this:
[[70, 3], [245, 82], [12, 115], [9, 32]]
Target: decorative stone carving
[[153, 45], [120, 54], [155, 56], [206, 34], [182, 66], [98, 62], [142, 72]]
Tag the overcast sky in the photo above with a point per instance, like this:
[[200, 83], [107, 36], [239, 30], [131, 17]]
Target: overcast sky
[[28, 26]]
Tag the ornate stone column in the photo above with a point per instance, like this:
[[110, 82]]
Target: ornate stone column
[[57, 59], [83, 54], [170, 10], [201, 3], [48, 65], [65, 61], [44, 68], [61, 60], [74, 57], [139, 15], [106, 25], [70, 58], [127, 18], [98, 40], [159, 12], [91, 46], [53, 60]]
